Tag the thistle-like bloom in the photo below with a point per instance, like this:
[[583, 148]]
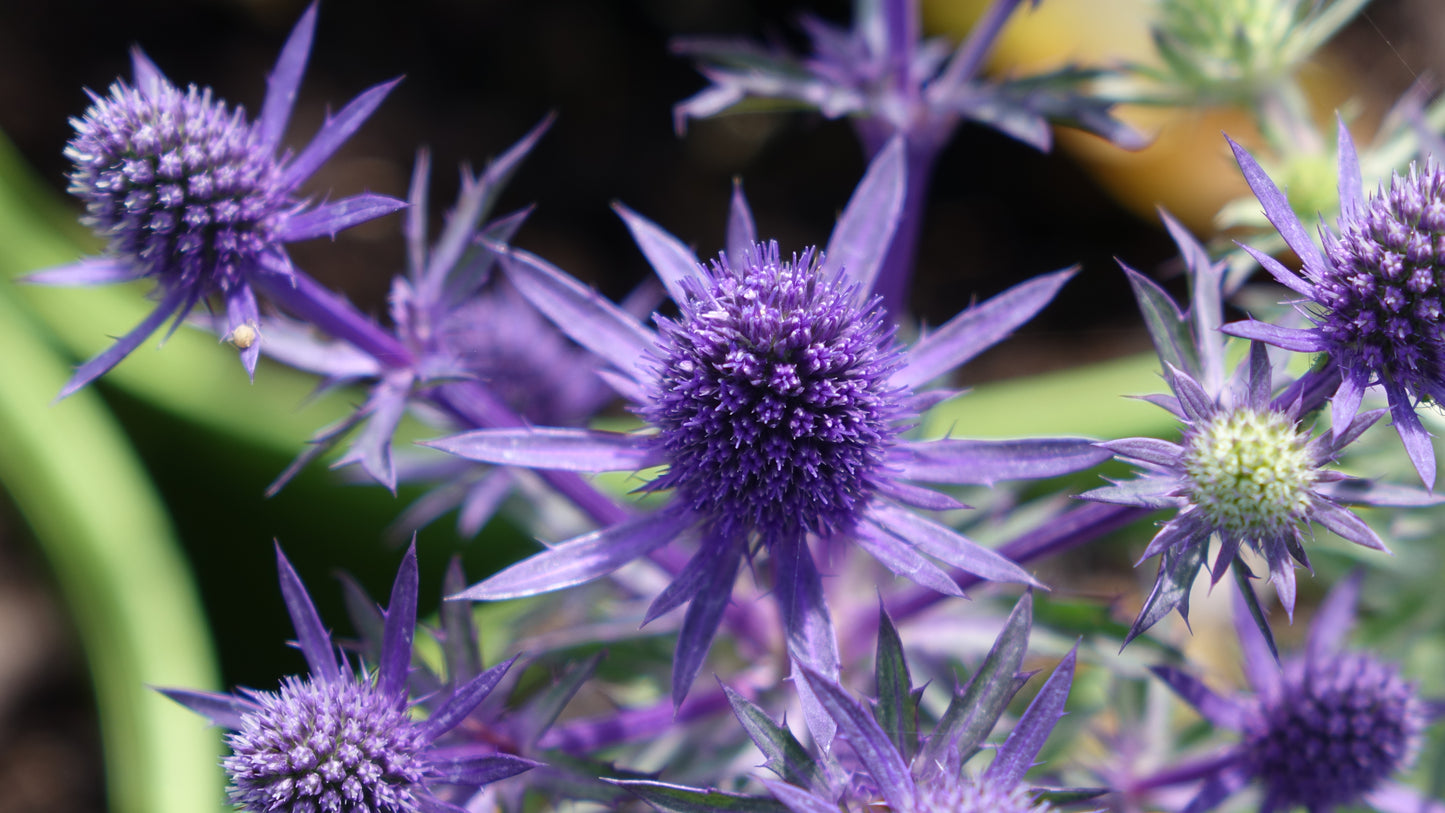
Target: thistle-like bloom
[[467, 336], [777, 398], [1245, 471], [191, 193], [894, 765], [1373, 295], [1327, 728], [890, 82], [336, 741]]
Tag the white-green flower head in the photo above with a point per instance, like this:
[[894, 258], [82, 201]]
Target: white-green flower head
[[1234, 51], [1250, 471]]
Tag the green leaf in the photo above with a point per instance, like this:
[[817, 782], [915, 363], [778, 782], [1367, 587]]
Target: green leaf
[[679, 799], [1178, 567], [894, 711], [785, 756]]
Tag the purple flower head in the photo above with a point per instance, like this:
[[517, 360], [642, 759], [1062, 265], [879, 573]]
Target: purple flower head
[[1245, 471], [778, 396], [889, 763], [337, 741], [191, 193], [1327, 728], [890, 82], [1373, 295]]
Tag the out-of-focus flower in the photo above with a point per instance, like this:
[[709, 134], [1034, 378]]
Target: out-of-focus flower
[[1328, 728], [1373, 295], [890, 82], [337, 741], [193, 194], [893, 765], [1244, 470], [777, 399]]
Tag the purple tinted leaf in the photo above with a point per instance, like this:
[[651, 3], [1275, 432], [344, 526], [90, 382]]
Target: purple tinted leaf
[[1023, 744], [111, 356], [1259, 656], [1178, 567], [1168, 329], [89, 271], [680, 799], [554, 448], [799, 801], [1346, 403], [674, 262], [895, 709], [1333, 619], [701, 572], [978, 328], [917, 496], [868, 741], [333, 134], [1279, 213], [985, 462], [328, 219], [1412, 433], [900, 558], [463, 700], [1150, 450], [315, 641], [784, 755], [148, 78], [864, 231], [459, 631], [1352, 197], [1300, 341], [384, 410], [285, 80], [542, 711], [700, 622], [414, 224], [580, 312], [1145, 492], [224, 710], [1344, 522], [584, 558], [942, 542], [1220, 711], [1368, 492], [1282, 275], [243, 319], [742, 234], [972, 714], [396, 638], [1197, 403], [478, 770]]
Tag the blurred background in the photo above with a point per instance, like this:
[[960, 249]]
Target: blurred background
[[478, 75]]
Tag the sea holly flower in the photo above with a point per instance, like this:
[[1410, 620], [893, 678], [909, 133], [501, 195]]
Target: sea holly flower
[[1373, 295], [777, 399], [894, 765], [458, 322], [1245, 471], [191, 193], [338, 741], [1323, 729], [890, 82]]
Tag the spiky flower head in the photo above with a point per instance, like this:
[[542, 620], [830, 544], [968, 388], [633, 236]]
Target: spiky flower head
[[1373, 294], [777, 395], [191, 193], [1328, 728], [337, 740], [1245, 471], [889, 764], [773, 398]]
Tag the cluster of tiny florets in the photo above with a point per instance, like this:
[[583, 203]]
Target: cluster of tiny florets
[[1336, 729], [326, 747], [976, 797], [1384, 300], [1249, 471], [177, 183], [773, 398]]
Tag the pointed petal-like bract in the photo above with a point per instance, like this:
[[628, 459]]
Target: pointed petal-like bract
[[1168, 329], [742, 234], [1219, 711], [584, 558], [464, 699], [561, 449], [328, 219], [978, 328], [798, 800], [700, 623], [1412, 433], [88, 271], [315, 641], [111, 356], [396, 637], [1352, 196], [479, 769], [224, 710], [865, 229], [985, 462], [896, 708], [285, 80], [1333, 619], [785, 756], [942, 542], [868, 741], [673, 261], [1018, 752], [1300, 341], [334, 132], [1257, 658], [1279, 213]]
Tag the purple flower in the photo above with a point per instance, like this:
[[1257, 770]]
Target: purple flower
[[1328, 728], [1373, 295], [777, 398], [888, 81], [1244, 470], [193, 194], [337, 741], [893, 765], [457, 322]]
